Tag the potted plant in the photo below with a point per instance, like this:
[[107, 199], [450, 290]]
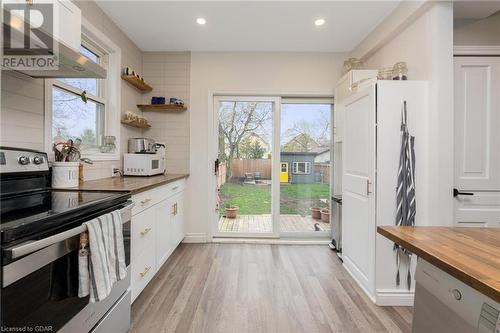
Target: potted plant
[[316, 213], [325, 215], [231, 211]]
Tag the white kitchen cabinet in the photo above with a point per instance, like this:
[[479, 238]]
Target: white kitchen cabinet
[[157, 229], [165, 211], [370, 158], [67, 18]]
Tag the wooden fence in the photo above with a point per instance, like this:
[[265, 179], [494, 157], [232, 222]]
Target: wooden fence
[[322, 172], [263, 166], [240, 167]]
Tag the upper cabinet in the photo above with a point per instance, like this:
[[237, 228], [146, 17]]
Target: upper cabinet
[[53, 29]]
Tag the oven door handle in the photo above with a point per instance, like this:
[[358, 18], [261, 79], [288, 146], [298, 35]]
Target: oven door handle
[[32, 246]]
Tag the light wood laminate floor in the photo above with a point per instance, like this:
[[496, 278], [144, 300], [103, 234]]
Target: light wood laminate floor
[[259, 288]]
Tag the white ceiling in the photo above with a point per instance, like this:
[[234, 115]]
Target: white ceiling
[[474, 9], [247, 26]]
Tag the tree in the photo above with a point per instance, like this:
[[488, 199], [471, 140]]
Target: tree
[[88, 137], [305, 135], [251, 150], [237, 120]]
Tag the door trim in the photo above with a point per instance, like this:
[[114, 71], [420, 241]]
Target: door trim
[[476, 50]]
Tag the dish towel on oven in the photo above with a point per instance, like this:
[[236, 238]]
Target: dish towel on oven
[[103, 264]]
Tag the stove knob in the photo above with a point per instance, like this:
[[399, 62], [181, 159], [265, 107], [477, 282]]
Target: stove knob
[[23, 160], [38, 160]]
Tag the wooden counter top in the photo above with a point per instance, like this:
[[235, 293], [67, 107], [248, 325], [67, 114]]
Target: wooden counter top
[[471, 255], [131, 184]]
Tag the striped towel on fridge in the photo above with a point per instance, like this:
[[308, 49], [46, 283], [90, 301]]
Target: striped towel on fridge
[[104, 263], [405, 196]]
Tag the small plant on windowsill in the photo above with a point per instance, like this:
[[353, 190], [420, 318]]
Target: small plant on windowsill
[[231, 211]]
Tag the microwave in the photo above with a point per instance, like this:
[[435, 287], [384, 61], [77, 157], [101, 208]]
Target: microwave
[[143, 164]]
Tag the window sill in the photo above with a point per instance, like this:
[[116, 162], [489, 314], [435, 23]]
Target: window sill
[[102, 156]]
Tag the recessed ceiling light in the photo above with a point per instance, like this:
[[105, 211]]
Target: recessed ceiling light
[[201, 21], [319, 22]]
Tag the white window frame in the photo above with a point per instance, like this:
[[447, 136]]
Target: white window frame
[[111, 86], [307, 168]]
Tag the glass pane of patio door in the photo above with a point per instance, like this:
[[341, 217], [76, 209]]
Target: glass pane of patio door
[[305, 169], [244, 179]]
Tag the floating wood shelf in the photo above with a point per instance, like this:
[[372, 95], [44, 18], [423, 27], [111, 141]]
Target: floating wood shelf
[[135, 123], [161, 107], [138, 83]]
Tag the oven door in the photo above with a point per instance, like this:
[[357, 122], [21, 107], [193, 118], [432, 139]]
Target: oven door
[[40, 289]]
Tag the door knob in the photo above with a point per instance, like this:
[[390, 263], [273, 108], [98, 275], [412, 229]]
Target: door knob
[[456, 193]]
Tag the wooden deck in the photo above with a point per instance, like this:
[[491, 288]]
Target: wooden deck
[[262, 224]]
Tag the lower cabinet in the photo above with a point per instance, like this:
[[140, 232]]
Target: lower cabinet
[[156, 231]]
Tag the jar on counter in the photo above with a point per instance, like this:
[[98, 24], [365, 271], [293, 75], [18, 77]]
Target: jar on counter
[[400, 71]]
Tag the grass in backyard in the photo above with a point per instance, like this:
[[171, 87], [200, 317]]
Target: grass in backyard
[[256, 199]]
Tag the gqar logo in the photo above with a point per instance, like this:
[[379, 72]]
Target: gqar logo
[[28, 37]]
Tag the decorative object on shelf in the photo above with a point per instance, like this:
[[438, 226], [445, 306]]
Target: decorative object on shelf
[[108, 144], [84, 97], [158, 100], [176, 101], [161, 107], [400, 71], [135, 120], [135, 80], [352, 63], [385, 73]]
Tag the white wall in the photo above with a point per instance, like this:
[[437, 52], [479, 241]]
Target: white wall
[[244, 73], [426, 45], [482, 32], [168, 74]]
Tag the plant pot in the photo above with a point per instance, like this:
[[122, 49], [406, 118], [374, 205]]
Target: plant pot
[[316, 213], [232, 212], [325, 215]]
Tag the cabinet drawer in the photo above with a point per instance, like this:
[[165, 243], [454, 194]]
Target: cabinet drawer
[[142, 231], [171, 189], [143, 270], [145, 200]]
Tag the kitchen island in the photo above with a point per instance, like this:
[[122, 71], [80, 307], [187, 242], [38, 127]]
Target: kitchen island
[[457, 278]]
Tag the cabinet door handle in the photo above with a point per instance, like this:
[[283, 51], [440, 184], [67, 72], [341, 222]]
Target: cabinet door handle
[[176, 210], [145, 231], [368, 186], [173, 209], [175, 187], [145, 201], [146, 270]]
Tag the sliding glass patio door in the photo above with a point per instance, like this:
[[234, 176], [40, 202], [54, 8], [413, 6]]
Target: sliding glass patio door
[[272, 168], [245, 177]]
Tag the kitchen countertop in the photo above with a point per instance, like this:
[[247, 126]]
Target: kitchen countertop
[[131, 184], [471, 255]]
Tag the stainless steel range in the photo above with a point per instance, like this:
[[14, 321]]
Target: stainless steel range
[[40, 230]]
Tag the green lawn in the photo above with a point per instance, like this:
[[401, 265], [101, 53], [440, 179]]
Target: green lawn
[[256, 199]]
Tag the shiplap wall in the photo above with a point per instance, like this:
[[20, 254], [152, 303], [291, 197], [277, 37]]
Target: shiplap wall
[[169, 74], [22, 104]]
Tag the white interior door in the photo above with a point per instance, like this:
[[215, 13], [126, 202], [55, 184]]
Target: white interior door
[[477, 141], [358, 182]]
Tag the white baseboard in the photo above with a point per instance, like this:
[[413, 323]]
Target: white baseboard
[[357, 275], [195, 238], [269, 241], [395, 297]]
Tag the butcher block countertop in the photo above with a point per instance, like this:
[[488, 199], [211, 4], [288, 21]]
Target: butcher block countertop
[[471, 255], [130, 184]]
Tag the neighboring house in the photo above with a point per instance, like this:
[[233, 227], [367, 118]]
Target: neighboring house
[[322, 155]]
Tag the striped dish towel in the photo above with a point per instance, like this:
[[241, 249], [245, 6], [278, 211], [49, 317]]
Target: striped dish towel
[[104, 263]]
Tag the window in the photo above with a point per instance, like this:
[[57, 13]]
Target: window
[[67, 116], [73, 118], [301, 168]]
